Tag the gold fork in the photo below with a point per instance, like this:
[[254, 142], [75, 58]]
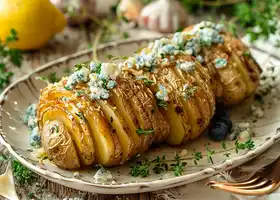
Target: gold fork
[[262, 183], [257, 186]]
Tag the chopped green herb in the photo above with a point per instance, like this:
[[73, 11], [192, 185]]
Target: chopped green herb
[[162, 55], [223, 144], [112, 57], [179, 29], [6, 54], [67, 88], [81, 65], [209, 154], [141, 169], [197, 157], [141, 131], [124, 19], [125, 35], [3, 157], [161, 103], [22, 174], [246, 145], [79, 93], [227, 154], [179, 166], [81, 116], [148, 82], [50, 78], [160, 165], [246, 53]]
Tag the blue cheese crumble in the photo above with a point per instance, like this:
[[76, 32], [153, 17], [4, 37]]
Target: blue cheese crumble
[[200, 59], [78, 76], [30, 119], [186, 66], [102, 176], [100, 84], [162, 93], [220, 63], [30, 116]]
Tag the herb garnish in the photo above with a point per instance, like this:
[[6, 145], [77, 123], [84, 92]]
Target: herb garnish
[[160, 165], [179, 166], [227, 154], [197, 157], [81, 116], [50, 78], [112, 57], [209, 154], [141, 131], [161, 103], [79, 93], [141, 169], [223, 144], [21, 173], [67, 88], [246, 145], [13, 55]]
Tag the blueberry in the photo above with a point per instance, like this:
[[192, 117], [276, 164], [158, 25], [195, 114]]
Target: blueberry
[[218, 131], [227, 121]]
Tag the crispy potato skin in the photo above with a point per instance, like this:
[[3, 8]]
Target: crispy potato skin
[[239, 78], [59, 146], [106, 132]]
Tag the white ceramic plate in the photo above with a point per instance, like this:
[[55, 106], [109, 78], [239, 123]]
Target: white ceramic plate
[[15, 135]]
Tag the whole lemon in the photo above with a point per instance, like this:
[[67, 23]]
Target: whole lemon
[[35, 21]]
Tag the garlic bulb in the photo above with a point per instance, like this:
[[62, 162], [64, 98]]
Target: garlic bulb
[[163, 16], [130, 9], [76, 11]]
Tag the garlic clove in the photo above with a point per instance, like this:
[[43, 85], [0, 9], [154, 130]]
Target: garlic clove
[[163, 16], [76, 11], [130, 9]]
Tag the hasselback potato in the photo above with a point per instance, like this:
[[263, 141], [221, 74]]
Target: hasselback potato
[[105, 113]]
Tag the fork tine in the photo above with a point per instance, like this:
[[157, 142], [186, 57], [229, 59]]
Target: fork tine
[[234, 184], [252, 192], [255, 185]]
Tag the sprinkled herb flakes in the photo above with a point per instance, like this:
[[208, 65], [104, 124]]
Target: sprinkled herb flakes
[[141, 131]]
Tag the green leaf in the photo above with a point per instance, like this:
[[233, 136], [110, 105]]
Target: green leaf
[[141, 169], [161, 103], [125, 35], [141, 131], [22, 174], [12, 37]]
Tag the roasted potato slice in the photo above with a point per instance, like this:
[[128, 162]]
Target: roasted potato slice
[[120, 129], [52, 111], [122, 104], [107, 147], [137, 102], [58, 144], [177, 116]]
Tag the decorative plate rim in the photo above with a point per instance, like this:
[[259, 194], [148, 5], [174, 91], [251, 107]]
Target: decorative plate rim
[[134, 187]]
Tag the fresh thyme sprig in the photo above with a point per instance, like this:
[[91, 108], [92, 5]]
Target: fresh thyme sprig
[[50, 78], [141, 169], [197, 157], [179, 166], [141, 131], [209, 154], [250, 144], [160, 165], [13, 56]]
